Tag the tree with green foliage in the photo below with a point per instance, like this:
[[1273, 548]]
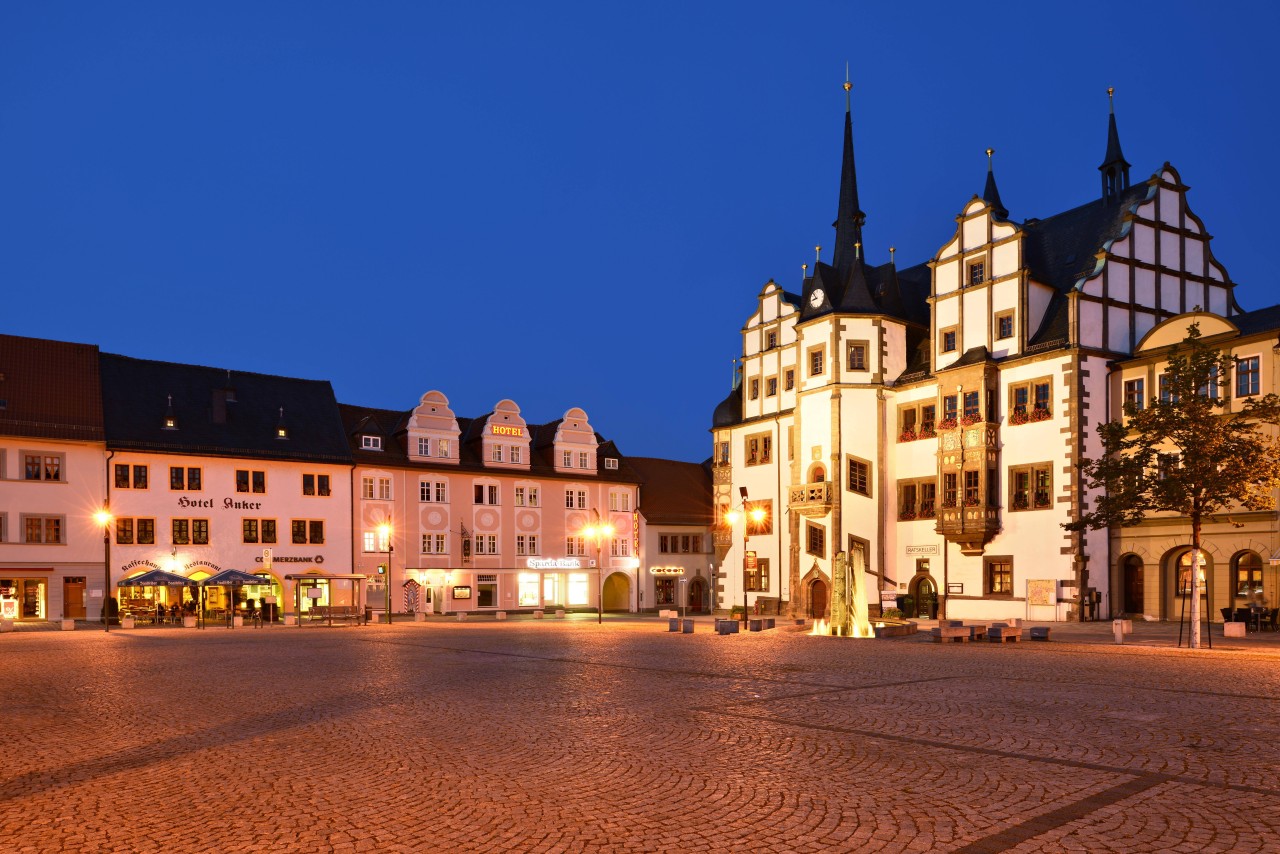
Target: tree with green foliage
[[1187, 450]]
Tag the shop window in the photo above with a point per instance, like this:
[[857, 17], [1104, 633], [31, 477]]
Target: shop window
[[997, 573], [1248, 575], [44, 466], [664, 591]]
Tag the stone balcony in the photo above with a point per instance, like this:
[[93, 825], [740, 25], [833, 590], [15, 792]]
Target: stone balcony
[[969, 527], [810, 499]]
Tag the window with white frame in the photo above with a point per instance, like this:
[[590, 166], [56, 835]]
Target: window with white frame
[[610, 462], [370, 541], [384, 489], [533, 496], [430, 491], [575, 546], [424, 447], [486, 544], [496, 453], [620, 501], [371, 443], [620, 547], [435, 544], [366, 488], [582, 459], [486, 493], [1247, 376], [566, 459], [442, 447], [526, 544], [515, 454]]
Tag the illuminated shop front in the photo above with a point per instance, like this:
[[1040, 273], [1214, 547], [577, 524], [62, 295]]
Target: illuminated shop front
[[23, 598], [541, 584]]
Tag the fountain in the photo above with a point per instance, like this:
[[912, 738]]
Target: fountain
[[849, 614]]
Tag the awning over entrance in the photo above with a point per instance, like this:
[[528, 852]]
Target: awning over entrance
[[155, 578], [231, 577]]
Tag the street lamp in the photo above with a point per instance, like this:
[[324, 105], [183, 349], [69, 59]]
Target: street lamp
[[384, 531], [748, 515], [103, 518], [598, 530]]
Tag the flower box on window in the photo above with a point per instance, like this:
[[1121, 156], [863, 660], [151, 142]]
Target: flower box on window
[[971, 502], [1020, 502], [1019, 416], [948, 503], [947, 424], [970, 420], [906, 515], [926, 433], [1040, 414], [907, 436], [926, 511], [1042, 499]]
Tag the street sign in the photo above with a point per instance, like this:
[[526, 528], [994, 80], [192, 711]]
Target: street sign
[[751, 560]]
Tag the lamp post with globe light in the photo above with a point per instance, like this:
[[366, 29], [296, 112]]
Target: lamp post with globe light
[[598, 530], [384, 531], [749, 515], [103, 518]]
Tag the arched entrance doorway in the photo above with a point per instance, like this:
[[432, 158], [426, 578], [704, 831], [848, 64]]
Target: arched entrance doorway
[[697, 593], [1131, 583], [617, 592], [818, 599], [1178, 584], [924, 598]]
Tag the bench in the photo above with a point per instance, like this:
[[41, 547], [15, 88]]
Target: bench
[[727, 627], [1040, 633], [951, 634], [1000, 633], [329, 613]]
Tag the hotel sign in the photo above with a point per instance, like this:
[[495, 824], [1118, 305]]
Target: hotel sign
[[553, 563], [506, 430]]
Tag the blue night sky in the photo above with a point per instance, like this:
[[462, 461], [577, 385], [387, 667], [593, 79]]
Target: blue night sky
[[566, 204]]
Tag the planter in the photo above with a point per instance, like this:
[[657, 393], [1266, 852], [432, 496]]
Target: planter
[[1234, 630], [290, 620], [127, 623], [237, 621], [68, 625], [188, 622]]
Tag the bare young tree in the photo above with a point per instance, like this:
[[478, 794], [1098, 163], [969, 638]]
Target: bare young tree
[[1187, 450]]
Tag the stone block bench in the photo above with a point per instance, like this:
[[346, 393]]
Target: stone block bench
[[727, 627], [951, 634], [1001, 633], [1040, 633]]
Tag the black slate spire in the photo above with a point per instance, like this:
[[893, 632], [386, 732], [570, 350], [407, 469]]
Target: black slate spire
[[1114, 168], [991, 193], [849, 217]]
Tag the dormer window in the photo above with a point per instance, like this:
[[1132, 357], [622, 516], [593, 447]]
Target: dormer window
[[582, 459], [497, 453], [611, 463], [371, 443], [282, 431], [170, 420], [566, 459], [442, 447], [424, 447], [515, 454]]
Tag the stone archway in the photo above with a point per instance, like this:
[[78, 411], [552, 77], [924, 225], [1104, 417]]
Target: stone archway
[[617, 592]]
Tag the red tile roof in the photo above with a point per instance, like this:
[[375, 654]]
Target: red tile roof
[[672, 492], [50, 389]]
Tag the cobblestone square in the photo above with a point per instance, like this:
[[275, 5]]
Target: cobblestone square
[[567, 736]]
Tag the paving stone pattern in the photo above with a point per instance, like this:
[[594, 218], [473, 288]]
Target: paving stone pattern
[[542, 736]]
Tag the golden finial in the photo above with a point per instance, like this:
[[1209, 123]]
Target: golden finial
[[817, 254], [1111, 97], [857, 249], [804, 270], [891, 251]]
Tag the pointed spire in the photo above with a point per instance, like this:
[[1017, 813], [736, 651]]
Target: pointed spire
[[849, 216], [890, 293], [1114, 168], [990, 193]]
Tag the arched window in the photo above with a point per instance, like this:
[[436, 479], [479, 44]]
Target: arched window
[[1182, 573], [1247, 572], [819, 475]]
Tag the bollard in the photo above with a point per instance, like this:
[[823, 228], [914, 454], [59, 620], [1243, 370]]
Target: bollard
[[1117, 626], [673, 625], [688, 627]]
